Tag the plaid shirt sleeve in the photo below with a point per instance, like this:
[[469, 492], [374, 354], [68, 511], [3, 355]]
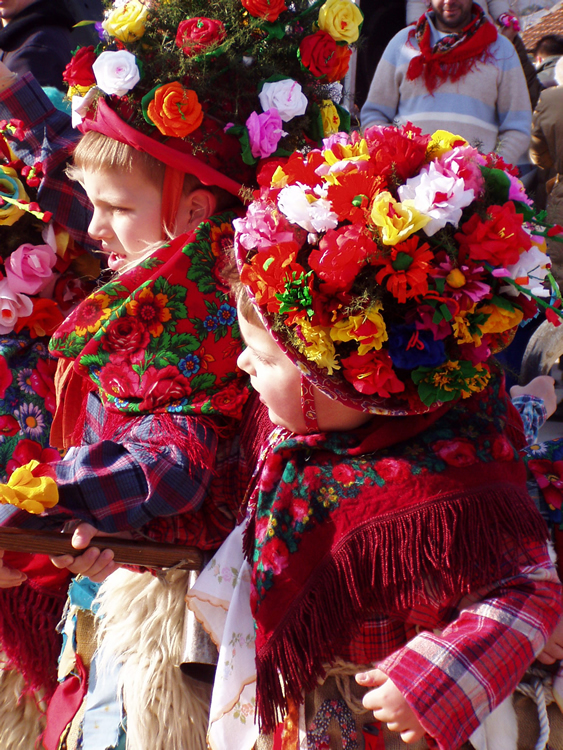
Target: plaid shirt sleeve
[[478, 659], [123, 486], [49, 138]]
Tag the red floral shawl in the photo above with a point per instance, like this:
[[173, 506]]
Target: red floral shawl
[[160, 339], [455, 54], [347, 526]]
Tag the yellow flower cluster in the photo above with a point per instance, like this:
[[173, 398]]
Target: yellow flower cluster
[[29, 492]]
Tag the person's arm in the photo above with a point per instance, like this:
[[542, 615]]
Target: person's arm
[[382, 102], [514, 112], [477, 661], [532, 80], [539, 148], [124, 486]]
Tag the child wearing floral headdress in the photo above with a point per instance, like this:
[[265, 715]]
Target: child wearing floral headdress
[[390, 524], [149, 396]]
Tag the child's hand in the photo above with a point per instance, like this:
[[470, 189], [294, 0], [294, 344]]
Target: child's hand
[[8, 576], [543, 387], [389, 706], [553, 650], [96, 565]]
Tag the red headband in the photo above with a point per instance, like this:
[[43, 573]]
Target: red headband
[[173, 153]]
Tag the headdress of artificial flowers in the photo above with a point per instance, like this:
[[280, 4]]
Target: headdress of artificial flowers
[[265, 73], [390, 267], [37, 285]]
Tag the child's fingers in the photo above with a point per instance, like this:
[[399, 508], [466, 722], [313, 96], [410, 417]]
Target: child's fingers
[[412, 735], [373, 678], [83, 535], [93, 563]]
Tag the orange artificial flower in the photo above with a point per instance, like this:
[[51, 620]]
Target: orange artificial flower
[[174, 110]]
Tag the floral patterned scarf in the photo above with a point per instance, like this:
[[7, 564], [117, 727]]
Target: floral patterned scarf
[[454, 55], [162, 338], [349, 525]]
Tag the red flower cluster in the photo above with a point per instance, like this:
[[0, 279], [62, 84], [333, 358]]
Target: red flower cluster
[[79, 70], [323, 57]]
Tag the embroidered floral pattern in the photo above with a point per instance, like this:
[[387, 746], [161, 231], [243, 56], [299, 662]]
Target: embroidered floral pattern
[[163, 337]]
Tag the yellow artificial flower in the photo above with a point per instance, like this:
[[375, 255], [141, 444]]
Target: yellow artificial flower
[[499, 320], [396, 221], [341, 19], [478, 382], [347, 152], [127, 22], [318, 346], [29, 492], [369, 328], [11, 188], [329, 117], [441, 142], [279, 179], [462, 333]]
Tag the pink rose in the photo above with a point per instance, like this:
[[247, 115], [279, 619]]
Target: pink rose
[[264, 132], [162, 387], [12, 307], [119, 381], [29, 268]]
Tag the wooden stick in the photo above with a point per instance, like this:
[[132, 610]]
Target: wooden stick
[[146, 554]]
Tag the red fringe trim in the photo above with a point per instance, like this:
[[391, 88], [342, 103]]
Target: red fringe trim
[[28, 623], [383, 566]]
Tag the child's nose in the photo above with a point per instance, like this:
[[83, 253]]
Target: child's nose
[[98, 229], [244, 362]]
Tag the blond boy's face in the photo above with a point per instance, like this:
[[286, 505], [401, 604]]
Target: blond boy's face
[[273, 376], [127, 214]]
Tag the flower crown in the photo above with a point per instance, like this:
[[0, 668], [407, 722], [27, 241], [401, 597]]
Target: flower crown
[[266, 73], [37, 285], [390, 267]]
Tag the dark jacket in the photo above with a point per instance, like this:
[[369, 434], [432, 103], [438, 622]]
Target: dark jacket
[[37, 41]]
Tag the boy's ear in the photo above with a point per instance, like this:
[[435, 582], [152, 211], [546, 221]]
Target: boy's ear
[[194, 208]]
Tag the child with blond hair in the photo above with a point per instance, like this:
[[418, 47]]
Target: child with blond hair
[[389, 534]]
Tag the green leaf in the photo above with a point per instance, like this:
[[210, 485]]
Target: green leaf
[[185, 342], [503, 303], [203, 381]]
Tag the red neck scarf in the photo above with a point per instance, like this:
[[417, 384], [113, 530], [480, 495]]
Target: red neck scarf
[[453, 56]]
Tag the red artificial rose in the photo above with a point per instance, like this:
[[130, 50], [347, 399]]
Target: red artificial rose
[[42, 381], [5, 377], [230, 401], [119, 381], [162, 387], [124, 337], [269, 10], [196, 34], [498, 240], [372, 373], [79, 70], [44, 319], [322, 57], [9, 426], [341, 255], [396, 152], [30, 450], [459, 452]]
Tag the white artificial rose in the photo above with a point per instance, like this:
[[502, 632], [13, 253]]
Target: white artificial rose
[[286, 96], [116, 72]]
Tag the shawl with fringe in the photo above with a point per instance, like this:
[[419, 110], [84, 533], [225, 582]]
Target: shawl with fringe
[[347, 526], [162, 339]]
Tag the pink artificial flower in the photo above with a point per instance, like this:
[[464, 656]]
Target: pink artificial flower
[[29, 268], [517, 191], [12, 307], [264, 132], [261, 227], [464, 162]]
